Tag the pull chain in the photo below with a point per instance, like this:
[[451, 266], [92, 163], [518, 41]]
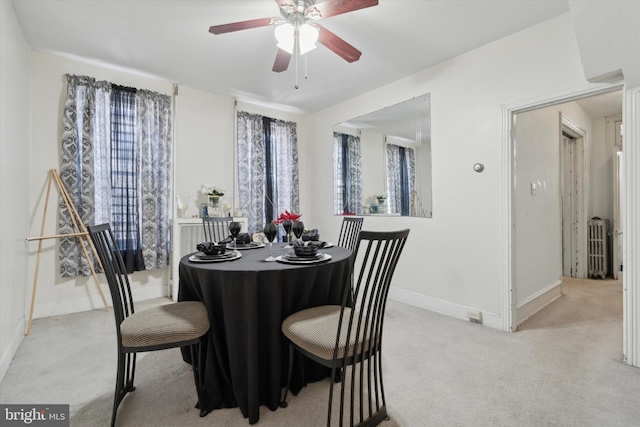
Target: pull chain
[[296, 52]]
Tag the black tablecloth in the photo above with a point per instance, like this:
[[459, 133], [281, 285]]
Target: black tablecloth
[[247, 300]]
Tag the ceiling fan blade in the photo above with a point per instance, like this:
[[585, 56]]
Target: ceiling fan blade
[[337, 45], [243, 25], [336, 7], [287, 5], [282, 61]]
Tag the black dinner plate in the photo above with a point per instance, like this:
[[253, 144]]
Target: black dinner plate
[[202, 255], [241, 246], [302, 260], [294, 257]]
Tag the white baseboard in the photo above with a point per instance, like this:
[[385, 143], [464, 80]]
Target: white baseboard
[[538, 301], [93, 302], [447, 308], [16, 340]]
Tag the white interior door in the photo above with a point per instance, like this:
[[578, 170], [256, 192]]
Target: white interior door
[[617, 224], [616, 232]]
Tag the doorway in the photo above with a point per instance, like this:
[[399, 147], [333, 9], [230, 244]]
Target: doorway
[[538, 259]]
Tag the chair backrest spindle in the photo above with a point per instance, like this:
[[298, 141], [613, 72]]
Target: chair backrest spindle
[[114, 270], [216, 228], [349, 232]]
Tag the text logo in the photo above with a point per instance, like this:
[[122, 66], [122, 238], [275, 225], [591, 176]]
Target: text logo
[[34, 415]]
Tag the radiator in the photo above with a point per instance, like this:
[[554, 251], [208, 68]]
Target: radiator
[[598, 233], [186, 233]]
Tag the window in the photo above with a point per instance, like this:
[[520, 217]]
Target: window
[[116, 148], [267, 168]]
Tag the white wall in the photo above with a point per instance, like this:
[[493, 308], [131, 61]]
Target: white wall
[[601, 177], [14, 182], [454, 260], [608, 34], [203, 146], [537, 218]]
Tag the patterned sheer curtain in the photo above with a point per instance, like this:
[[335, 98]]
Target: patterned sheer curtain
[[284, 140], [401, 178], [347, 174], [153, 125], [85, 136], [116, 166], [251, 168], [268, 174]]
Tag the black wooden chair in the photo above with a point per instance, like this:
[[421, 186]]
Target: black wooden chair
[[349, 231], [216, 228], [348, 338], [167, 326]]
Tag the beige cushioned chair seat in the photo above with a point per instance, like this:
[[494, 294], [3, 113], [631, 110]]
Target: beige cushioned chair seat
[[165, 324], [315, 329]]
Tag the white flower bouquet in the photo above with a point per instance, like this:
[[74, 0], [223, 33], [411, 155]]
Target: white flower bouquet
[[212, 190]]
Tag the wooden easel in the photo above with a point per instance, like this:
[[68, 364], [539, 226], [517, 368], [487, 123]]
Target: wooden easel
[[80, 232]]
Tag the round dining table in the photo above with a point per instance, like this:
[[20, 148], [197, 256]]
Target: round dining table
[[247, 299]]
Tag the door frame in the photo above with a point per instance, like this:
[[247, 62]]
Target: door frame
[[509, 286], [579, 232], [614, 141]]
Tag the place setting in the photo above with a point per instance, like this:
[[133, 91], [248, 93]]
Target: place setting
[[213, 252], [305, 251], [240, 241]]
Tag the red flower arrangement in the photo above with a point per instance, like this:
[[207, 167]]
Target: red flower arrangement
[[287, 215]]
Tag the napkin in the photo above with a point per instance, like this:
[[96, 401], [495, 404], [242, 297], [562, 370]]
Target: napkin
[[210, 248], [243, 239], [311, 235], [318, 243]]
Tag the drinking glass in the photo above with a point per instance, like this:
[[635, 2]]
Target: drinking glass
[[183, 205], [287, 224], [298, 229], [270, 232], [234, 229]]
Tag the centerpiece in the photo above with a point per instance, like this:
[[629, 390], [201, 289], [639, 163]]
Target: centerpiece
[[213, 193], [287, 219]]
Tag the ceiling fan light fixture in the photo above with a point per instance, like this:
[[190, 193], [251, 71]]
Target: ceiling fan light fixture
[[285, 36], [308, 36]]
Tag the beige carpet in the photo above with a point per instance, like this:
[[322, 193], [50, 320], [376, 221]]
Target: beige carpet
[[563, 368]]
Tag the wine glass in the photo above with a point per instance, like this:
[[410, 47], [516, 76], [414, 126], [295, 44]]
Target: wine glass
[[298, 229], [287, 224], [234, 229], [270, 232]]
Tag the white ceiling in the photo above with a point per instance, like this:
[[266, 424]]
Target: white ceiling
[[605, 105], [170, 40]]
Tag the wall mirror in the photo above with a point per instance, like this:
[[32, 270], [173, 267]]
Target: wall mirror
[[382, 161]]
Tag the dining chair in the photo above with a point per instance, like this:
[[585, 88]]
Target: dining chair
[[349, 230], [347, 338], [216, 228], [172, 325]]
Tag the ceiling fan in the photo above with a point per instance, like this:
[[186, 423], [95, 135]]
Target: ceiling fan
[[298, 17]]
